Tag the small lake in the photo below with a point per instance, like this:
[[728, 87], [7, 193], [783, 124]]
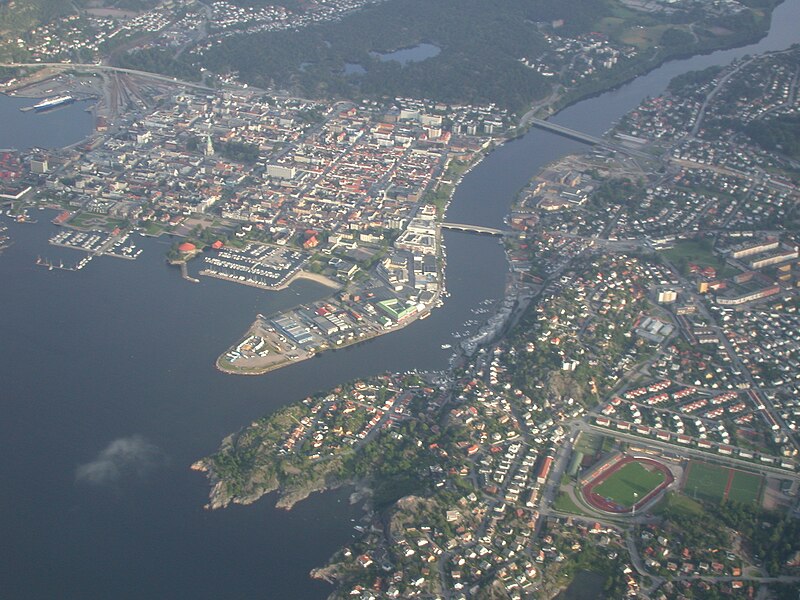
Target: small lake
[[413, 54], [354, 69], [587, 585]]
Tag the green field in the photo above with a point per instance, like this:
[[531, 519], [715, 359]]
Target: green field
[[589, 443], [631, 483], [745, 487], [565, 504], [709, 482], [706, 481]]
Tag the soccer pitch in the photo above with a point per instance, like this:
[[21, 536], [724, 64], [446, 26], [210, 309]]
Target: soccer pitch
[[629, 484], [715, 483]]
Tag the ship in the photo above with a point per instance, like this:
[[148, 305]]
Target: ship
[[53, 102]]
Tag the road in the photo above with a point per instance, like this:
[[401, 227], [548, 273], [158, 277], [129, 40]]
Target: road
[[107, 68], [694, 452], [702, 113]]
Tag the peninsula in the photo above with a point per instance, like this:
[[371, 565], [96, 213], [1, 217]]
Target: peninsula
[[637, 416]]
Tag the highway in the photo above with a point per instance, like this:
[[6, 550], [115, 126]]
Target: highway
[[107, 68]]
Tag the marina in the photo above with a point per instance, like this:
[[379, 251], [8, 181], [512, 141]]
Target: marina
[[258, 265], [97, 243]]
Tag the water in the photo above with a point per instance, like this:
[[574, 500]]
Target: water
[[587, 585], [124, 351], [404, 56], [354, 69], [57, 128], [484, 196]]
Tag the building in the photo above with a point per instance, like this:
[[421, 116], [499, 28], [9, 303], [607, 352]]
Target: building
[[739, 299], [774, 258], [544, 470], [667, 296], [281, 171], [749, 249], [39, 166]]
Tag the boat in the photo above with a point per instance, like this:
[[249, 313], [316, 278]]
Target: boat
[[49, 103], [446, 346]]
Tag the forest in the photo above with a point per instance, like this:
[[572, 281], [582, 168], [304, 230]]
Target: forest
[[481, 43], [781, 134]]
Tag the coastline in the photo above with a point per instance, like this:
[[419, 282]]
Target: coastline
[[315, 277], [273, 365], [554, 103], [520, 301]]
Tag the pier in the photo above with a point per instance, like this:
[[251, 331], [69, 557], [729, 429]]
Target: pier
[[585, 137]]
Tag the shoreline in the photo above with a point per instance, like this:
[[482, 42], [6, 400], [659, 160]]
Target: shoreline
[[285, 362], [555, 104], [520, 300], [552, 104], [297, 275]]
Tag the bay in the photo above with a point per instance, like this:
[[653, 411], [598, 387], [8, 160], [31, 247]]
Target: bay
[[56, 128]]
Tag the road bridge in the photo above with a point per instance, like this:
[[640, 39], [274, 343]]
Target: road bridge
[[585, 137], [475, 229]]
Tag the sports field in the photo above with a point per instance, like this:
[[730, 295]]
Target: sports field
[[629, 484], [745, 487], [715, 483]]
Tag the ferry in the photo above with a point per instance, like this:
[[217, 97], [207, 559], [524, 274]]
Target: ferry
[[53, 102]]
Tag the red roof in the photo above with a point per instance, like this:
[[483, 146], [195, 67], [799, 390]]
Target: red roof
[[187, 247]]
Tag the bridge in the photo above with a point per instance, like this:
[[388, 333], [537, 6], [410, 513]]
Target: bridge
[[475, 229], [585, 137]]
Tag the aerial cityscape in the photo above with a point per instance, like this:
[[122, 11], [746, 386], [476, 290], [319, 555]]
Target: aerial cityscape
[[400, 299]]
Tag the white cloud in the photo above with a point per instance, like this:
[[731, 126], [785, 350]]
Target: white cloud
[[124, 457]]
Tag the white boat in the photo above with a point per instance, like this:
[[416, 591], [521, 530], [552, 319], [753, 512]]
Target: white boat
[[53, 102]]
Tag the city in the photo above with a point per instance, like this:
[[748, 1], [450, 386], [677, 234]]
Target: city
[[624, 419]]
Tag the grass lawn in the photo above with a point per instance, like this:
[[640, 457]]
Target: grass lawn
[[631, 483], [153, 228], [589, 443], [565, 504], [680, 504], [697, 252], [745, 487], [706, 481]]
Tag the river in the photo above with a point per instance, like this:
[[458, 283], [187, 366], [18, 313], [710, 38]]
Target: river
[[108, 393]]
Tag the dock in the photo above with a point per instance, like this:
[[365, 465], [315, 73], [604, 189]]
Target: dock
[[185, 274]]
